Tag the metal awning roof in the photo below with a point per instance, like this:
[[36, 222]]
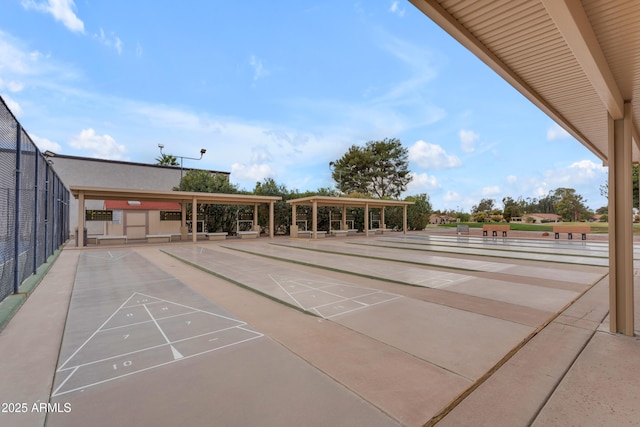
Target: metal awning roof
[[347, 201], [578, 61], [101, 193]]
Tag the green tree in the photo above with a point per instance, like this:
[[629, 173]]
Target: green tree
[[379, 169], [512, 208], [418, 214], [167, 160], [281, 209], [206, 182], [570, 205], [485, 205], [216, 217], [604, 188]]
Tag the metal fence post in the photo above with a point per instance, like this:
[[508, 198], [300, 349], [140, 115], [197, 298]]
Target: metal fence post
[[35, 214], [16, 236], [47, 254]]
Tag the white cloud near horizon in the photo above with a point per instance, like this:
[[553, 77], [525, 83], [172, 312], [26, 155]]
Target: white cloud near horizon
[[255, 172], [432, 156], [61, 10], [98, 146], [490, 190]]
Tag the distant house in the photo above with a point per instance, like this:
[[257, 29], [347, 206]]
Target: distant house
[[441, 219], [538, 218]]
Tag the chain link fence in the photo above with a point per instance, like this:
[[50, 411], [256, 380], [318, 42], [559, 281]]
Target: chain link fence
[[34, 206]]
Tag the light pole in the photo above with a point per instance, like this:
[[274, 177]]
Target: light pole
[[202, 151]]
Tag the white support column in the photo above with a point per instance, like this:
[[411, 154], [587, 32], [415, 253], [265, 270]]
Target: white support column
[[314, 219], [621, 225], [343, 225], [383, 225], [271, 221], [404, 219], [80, 236], [184, 230], [293, 230], [256, 226], [194, 220], [366, 219]]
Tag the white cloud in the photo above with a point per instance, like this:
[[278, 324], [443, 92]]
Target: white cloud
[[11, 86], [254, 172], [468, 140], [101, 147], [512, 179], [422, 183], [395, 8], [110, 40], [491, 190], [44, 144], [138, 50], [432, 156], [13, 105], [578, 173], [555, 132], [451, 196], [61, 10], [259, 70]]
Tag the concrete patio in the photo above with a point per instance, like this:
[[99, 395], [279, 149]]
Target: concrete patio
[[413, 330]]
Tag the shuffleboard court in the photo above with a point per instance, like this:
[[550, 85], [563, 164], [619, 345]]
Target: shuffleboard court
[[461, 247], [544, 298], [138, 338], [416, 327], [416, 256], [314, 293]]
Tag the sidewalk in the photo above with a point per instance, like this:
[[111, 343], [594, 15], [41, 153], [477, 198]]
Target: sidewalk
[[569, 371]]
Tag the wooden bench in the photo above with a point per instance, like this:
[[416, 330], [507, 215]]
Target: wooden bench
[[221, 235], [494, 228], [111, 240], [570, 229], [247, 234], [158, 238]]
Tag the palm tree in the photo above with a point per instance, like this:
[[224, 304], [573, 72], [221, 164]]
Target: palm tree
[[167, 160]]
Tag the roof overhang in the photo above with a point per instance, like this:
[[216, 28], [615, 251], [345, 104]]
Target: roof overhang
[[347, 201], [100, 193], [578, 61]]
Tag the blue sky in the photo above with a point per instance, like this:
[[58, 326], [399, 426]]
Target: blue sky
[[280, 89]]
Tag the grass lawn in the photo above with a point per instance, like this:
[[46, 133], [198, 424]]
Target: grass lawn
[[596, 227]]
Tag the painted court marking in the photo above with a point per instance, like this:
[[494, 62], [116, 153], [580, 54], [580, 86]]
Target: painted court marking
[[328, 299], [146, 332]]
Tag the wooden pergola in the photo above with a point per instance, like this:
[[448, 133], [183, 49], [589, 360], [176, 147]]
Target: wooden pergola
[[345, 202], [183, 197]]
